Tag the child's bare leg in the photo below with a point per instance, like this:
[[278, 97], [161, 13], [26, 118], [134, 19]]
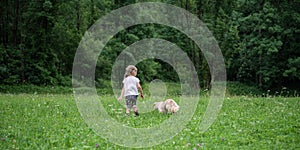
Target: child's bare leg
[[127, 110], [135, 110]]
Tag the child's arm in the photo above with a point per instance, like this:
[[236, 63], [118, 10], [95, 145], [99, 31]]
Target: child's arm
[[140, 89], [122, 94]]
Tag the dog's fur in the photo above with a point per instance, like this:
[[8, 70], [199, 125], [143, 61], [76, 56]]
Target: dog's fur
[[167, 106]]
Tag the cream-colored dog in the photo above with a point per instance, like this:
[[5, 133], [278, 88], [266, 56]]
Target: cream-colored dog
[[166, 106]]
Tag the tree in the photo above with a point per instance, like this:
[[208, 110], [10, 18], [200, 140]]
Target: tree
[[265, 54]]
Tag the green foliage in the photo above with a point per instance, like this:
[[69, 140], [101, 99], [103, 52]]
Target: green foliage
[[264, 58], [34, 89], [259, 41], [149, 70], [293, 68], [173, 89], [239, 89]]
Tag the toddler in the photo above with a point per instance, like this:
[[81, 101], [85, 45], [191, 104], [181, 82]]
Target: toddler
[[131, 86]]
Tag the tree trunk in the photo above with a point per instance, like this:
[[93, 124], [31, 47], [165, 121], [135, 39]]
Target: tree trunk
[[260, 76], [78, 16], [4, 22], [22, 53], [15, 25], [199, 10], [91, 18]]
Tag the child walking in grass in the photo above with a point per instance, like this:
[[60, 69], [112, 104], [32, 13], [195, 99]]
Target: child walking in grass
[[131, 86]]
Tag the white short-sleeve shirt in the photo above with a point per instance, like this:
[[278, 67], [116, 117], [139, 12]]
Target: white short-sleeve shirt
[[130, 85]]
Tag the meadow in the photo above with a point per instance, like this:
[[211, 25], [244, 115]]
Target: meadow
[[52, 121]]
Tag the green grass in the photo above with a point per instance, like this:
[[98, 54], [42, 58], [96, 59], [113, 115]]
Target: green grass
[[52, 121]]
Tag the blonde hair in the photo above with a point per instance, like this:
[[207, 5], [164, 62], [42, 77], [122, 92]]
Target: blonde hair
[[129, 70]]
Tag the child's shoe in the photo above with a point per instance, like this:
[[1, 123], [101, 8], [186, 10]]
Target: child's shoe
[[136, 113]]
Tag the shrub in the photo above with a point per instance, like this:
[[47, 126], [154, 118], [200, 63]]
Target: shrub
[[237, 88]]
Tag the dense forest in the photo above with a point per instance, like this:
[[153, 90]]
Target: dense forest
[[260, 40]]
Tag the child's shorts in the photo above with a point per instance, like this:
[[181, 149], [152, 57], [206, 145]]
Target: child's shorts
[[130, 101]]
